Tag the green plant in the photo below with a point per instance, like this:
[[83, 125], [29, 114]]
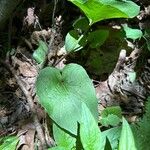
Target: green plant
[[62, 92], [8, 142], [111, 116], [97, 11], [70, 107], [68, 104], [68, 95]]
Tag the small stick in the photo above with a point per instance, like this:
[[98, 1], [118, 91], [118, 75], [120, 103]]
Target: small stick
[[50, 45]]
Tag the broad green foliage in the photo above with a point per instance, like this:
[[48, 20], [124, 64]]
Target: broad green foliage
[[132, 33], [8, 143], [97, 38], [97, 10], [40, 53], [89, 131], [113, 136], [141, 130], [68, 95], [128, 7], [74, 41], [111, 119], [61, 93], [111, 116], [115, 110], [62, 138], [126, 138]]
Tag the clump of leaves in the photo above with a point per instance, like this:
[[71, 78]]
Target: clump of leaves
[[98, 11], [111, 116], [74, 110]]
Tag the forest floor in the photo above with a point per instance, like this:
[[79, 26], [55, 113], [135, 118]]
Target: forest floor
[[19, 107]]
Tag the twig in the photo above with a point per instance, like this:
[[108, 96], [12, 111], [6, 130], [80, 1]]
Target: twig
[[30, 101], [57, 62], [27, 43], [54, 11], [50, 45], [63, 57]]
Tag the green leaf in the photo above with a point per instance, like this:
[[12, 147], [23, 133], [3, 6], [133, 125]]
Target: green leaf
[[82, 24], [113, 136], [111, 119], [128, 7], [132, 33], [61, 93], [115, 110], [97, 38], [97, 10], [62, 138], [89, 131], [8, 143], [126, 141], [111, 116], [40, 53], [72, 41]]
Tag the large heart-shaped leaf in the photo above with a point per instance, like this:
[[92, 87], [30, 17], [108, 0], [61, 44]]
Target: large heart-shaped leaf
[[61, 93], [97, 10]]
